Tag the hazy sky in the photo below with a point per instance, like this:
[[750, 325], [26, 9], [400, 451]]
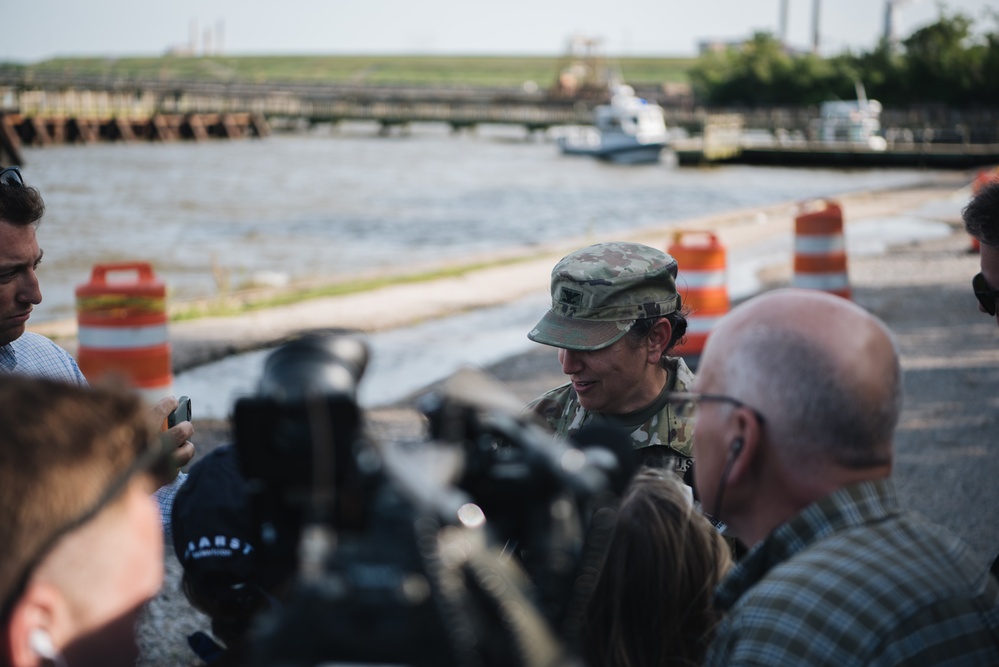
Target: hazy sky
[[32, 30]]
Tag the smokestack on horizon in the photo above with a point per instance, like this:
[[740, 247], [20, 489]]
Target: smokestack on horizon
[[890, 30], [783, 22], [192, 37], [219, 36], [816, 7]]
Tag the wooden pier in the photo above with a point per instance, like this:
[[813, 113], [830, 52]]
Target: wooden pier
[[824, 154], [44, 110], [387, 105], [17, 130]]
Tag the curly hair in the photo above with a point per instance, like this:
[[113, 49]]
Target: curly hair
[[21, 205], [981, 215], [677, 319]]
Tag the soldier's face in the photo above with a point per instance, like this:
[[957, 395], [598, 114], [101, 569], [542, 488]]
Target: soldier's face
[[614, 380], [990, 269]]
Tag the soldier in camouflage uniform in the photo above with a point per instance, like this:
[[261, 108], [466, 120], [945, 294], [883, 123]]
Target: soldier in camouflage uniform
[[615, 315]]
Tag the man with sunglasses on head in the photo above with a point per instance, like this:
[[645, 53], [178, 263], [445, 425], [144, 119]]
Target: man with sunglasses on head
[[81, 547], [798, 394], [981, 220], [29, 354], [23, 352]]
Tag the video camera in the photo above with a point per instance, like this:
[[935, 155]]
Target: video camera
[[396, 562]]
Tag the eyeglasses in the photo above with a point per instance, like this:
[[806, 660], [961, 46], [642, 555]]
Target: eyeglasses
[[155, 460], [685, 403], [986, 295], [11, 177]]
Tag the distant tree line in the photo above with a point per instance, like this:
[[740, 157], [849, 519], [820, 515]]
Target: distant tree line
[[942, 63]]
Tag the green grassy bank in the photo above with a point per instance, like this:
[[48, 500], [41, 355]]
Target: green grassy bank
[[481, 71], [249, 300]]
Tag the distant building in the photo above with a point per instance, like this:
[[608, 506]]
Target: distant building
[[182, 50], [707, 46], [190, 49], [677, 93]]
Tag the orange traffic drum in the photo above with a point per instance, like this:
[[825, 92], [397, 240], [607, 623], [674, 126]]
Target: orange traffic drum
[[702, 281], [820, 249], [122, 319]]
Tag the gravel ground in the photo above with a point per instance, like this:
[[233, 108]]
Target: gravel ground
[[946, 463]]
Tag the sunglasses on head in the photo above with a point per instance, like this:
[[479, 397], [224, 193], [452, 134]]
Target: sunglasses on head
[[986, 295], [11, 176]]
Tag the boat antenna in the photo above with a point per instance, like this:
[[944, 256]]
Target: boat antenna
[[861, 94]]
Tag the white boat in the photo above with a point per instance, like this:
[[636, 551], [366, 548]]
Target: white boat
[[856, 122], [629, 130]]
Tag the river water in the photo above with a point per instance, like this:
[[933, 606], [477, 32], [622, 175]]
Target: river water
[[328, 202], [333, 202]]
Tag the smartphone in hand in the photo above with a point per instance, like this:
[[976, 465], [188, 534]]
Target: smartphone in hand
[[181, 414]]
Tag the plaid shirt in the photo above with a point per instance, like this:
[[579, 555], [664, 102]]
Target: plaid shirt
[[852, 580], [36, 356]]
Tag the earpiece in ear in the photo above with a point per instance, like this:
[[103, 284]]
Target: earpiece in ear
[[736, 446], [41, 644]]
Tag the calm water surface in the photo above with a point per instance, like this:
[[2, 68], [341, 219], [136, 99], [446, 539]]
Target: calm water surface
[[333, 203]]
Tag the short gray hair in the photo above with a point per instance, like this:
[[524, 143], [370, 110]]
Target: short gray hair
[[813, 410]]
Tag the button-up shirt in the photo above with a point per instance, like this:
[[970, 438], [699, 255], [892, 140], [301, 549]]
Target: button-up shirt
[[36, 356], [32, 355], [853, 580]]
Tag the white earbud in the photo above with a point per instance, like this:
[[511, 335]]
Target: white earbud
[[41, 644]]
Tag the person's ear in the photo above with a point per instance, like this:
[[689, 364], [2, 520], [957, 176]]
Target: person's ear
[[745, 444], [659, 338], [38, 618]]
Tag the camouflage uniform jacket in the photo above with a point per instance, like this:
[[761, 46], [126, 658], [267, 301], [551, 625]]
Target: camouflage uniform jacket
[[661, 430]]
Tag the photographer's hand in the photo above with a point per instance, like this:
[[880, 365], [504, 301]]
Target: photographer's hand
[[180, 434]]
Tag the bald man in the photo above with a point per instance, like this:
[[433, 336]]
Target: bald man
[[798, 395]]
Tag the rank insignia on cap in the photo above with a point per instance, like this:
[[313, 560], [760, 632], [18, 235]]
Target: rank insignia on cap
[[570, 297]]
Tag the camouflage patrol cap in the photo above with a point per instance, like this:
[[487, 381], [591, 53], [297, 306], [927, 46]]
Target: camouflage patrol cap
[[598, 293]]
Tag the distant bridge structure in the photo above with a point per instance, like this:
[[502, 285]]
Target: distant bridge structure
[[40, 108], [50, 95]]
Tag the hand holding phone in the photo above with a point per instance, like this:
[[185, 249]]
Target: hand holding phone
[[181, 414]]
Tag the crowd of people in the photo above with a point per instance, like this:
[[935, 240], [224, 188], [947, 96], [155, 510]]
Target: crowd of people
[[762, 528]]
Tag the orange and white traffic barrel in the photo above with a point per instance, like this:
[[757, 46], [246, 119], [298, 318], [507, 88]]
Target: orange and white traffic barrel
[[703, 272], [820, 249], [983, 178], [123, 328]]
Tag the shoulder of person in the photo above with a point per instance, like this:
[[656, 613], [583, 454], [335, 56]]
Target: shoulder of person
[[683, 376], [554, 399]]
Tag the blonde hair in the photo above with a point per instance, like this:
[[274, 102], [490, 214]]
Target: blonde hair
[[652, 603]]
